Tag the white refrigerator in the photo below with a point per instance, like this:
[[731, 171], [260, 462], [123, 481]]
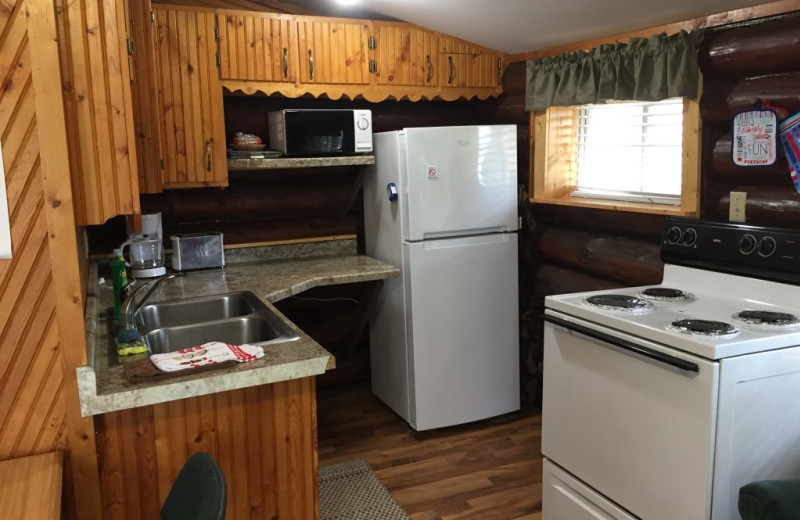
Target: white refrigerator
[[441, 204]]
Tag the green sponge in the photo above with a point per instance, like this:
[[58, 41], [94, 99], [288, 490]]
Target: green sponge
[[129, 341]]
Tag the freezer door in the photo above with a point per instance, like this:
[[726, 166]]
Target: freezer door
[[463, 329], [459, 180]]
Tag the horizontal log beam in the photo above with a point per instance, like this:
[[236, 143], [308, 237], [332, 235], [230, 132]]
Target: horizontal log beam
[[627, 260], [766, 48], [552, 279], [774, 206], [724, 170], [723, 98], [621, 223], [295, 196]]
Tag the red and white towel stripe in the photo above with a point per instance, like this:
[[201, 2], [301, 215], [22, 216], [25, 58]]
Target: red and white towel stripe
[[206, 354]]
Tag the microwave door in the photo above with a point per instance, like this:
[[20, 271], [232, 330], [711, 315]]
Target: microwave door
[[322, 132]]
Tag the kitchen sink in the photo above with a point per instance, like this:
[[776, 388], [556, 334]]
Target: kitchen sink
[[261, 328], [235, 318], [189, 311]]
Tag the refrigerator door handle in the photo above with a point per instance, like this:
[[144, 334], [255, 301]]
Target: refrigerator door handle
[[466, 233]]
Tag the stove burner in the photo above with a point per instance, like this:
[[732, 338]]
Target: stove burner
[[769, 318], [703, 327], [665, 294], [619, 302]]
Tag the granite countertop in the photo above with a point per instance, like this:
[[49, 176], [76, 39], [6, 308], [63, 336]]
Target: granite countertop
[[272, 274]]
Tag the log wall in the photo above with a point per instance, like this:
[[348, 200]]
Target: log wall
[[569, 249], [740, 65]]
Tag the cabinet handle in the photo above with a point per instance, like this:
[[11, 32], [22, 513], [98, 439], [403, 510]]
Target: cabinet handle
[[452, 70], [209, 155], [499, 71], [429, 77], [310, 65], [285, 63]]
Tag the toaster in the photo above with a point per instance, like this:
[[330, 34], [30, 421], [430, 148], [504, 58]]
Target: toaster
[[197, 251]]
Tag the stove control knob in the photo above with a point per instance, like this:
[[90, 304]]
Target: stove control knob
[[747, 244], [766, 246], [674, 235], [689, 237]]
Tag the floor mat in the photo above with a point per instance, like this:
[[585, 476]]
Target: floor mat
[[351, 491]]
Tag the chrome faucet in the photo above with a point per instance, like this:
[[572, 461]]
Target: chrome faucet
[[129, 307]]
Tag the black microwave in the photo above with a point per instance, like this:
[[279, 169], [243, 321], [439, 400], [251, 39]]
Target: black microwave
[[302, 132]]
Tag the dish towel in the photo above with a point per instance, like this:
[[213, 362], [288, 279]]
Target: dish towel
[[206, 354]]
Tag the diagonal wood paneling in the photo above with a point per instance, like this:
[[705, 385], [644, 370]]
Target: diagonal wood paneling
[[32, 418]]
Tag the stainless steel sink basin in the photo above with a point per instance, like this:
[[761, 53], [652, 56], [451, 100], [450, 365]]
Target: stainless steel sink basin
[[235, 318], [261, 328], [175, 313]]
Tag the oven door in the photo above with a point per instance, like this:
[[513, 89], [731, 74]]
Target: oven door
[[632, 419]]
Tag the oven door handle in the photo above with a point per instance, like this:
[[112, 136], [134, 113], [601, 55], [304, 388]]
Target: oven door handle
[[625, 345]]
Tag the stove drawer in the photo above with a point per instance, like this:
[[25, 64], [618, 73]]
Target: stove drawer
[[566, 498], [632, 419]]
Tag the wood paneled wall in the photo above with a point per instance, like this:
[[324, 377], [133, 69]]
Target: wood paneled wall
[[254, 434], [39, 298], [32, 417], [740, 65]]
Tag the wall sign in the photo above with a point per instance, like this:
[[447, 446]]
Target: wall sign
[[5, 227], [755, 140]]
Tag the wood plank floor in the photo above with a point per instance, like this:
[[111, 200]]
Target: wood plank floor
[[491, 470]]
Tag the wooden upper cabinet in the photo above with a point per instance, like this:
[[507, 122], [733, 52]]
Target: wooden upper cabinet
[[463, 64], [405, 55], [257, 46], [144, 88], [333, 50], [98, 109], [190, 95]]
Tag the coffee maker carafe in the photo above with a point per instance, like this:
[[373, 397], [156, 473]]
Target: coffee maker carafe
[[146, 248]]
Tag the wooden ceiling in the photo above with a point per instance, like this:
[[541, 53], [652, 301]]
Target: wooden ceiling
[[275, 6]]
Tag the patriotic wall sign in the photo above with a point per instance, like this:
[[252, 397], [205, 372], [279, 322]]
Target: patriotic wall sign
[[755, 140]]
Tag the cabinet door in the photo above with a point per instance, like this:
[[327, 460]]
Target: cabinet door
[[193, 130], [144, 87], [333, 50], [466, 65], [98, 109], [257, 46], [405, 55]]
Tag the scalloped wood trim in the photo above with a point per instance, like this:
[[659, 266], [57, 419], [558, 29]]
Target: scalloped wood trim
[[370, 93]]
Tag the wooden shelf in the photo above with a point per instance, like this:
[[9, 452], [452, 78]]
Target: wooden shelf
[[299, 162]]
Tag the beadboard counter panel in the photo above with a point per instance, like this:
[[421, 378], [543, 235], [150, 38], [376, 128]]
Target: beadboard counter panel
[[102, 385]]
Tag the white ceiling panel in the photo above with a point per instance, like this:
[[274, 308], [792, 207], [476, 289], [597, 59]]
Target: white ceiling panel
[[515, 26]]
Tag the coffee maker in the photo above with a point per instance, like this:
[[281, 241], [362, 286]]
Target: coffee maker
[[146, 247]]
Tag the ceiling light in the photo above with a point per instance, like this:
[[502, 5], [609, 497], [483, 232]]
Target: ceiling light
[[347, 2]]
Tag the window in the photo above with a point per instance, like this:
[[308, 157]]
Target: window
[[639, 156]]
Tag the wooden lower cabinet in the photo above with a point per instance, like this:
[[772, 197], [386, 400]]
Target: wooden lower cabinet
[[264, 439]]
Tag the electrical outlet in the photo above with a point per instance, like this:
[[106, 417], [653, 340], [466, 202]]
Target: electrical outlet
[[737, 205]]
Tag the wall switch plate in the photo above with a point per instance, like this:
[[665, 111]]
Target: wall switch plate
[[736, 211]]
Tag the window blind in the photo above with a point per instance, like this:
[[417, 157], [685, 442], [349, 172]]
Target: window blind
[[630, 151]]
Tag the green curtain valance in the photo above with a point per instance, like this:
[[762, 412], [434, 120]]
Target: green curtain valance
[[644, 69]]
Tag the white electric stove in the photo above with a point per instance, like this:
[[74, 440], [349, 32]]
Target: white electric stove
[[661, 401]]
